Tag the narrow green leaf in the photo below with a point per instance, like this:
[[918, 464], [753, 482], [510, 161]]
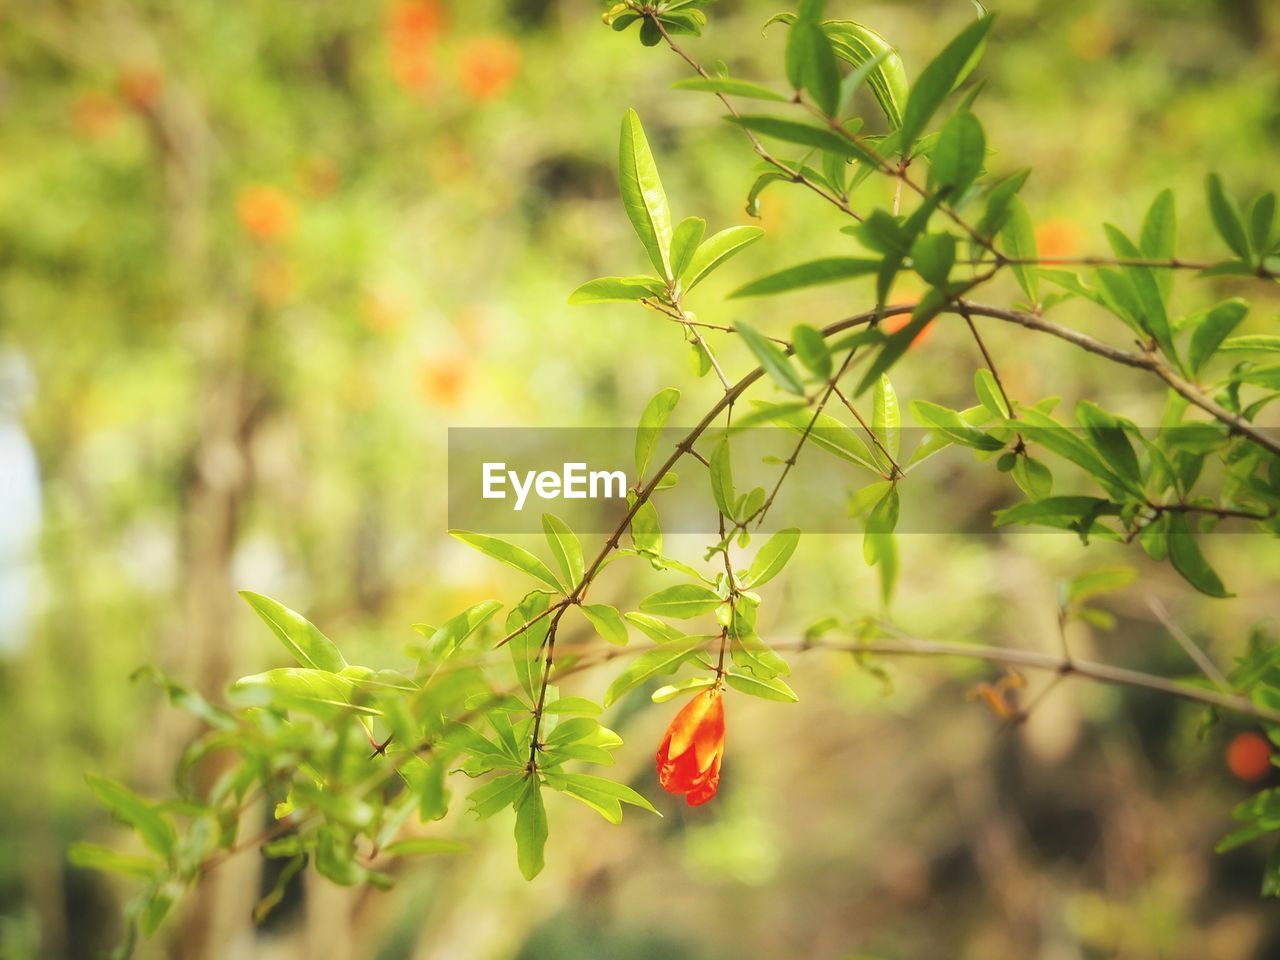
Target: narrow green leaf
[[720, 469], [681, 601], [731, 87], [1147, 291], [772, 359], [938, 79], [300, 636], [607, 622], [811, 349], [1112, 442], [1212, 328], [876, 61], [565, 547], [1187, 559], [718, 248], [810, 274], [886, 417], [684, 244], [661, 660], [826, 433], [1018, 238], [656, 413], [807, 135], [150, 824], [642, 194], [508, 553], [773, 689], [617, 290], [772, 557], [984, 384], [1159, 238], [445, 639], [531, 828], [91, 856], [959, 155], [810, 60], [1226, 216], [951, 424], [1262, 214]]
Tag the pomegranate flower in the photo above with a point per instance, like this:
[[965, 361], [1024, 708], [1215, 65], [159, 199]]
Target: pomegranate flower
[[692, 748]]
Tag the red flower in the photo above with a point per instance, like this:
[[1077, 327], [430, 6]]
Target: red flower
[[692, 748]]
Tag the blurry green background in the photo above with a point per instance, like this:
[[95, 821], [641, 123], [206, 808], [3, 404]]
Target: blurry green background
[[256, 257]]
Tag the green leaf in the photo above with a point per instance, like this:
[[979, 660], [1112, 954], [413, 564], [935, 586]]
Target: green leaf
[[656, 630], [1262, 214], [876, 60], [607, 622], [959, 155], [1099, 580], [810, 60], [932, 256], [886, 418], [684, 244], [646, 532], [1212, 328], [656, 413], [531, 828], [302, 687], [1145, 288], [938, 79], [642, 193], [673, 690], [1253, 343], [508, 553], [91, 856], [681, 601], [301, 638], [773, 689], [1187, 559], [1226, 216], [772, 557], [718, 248], [603, 796], [445, 639], [573, 705], [878, 544], [1018, 238], [1159, 237], [731, 87], [1032, 477], [953, 426], [810, 274], [1062, 512], [656, 662], [827, 433], [1109, 437], [617, 290], [807, 135], [720, 469], [423, 847], [811, 349], [984, 384], [148, 822], [771, 357], [565, 547], [498, 794]]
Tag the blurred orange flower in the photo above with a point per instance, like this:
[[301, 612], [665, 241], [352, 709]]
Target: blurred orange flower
[[265, 212], [1249, 756], [140, 87], [692, 748], [895, 323], [412, 27], [488, 65], [442, 381], [94, 115], [1057, 238]]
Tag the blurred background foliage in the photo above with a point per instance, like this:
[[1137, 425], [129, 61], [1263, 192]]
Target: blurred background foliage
[[255, 258]]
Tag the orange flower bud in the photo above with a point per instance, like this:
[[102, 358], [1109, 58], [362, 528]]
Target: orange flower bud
[[692, 748], [1249, 756]]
